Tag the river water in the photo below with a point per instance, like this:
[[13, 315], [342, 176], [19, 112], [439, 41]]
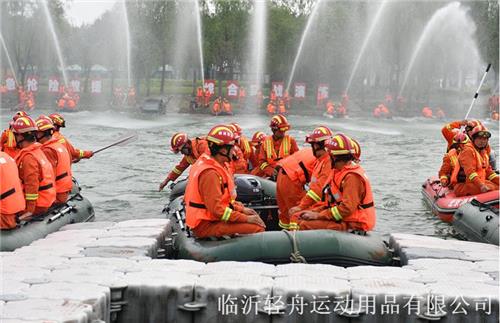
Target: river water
[[122, 182]]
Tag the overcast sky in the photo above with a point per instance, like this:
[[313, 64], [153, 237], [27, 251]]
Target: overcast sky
[[81, 12]]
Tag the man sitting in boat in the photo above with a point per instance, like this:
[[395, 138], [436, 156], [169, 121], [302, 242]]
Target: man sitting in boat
[[474, 159], [256, 145], [35, 171], [75, 154], [243, 144], [58, 156], [277, 146], [349, 199], [210, 198], [321, 170], [11, 192], [450, 172], [8, 139], [191, 151]]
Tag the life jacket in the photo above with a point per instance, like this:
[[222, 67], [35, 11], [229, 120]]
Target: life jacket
[[457, 173], [63, 173], [271, 109], [216, 107], [364, 217], [482, 162], [271, 154], [8, 143], [11, 191], [71, 103], [199, 92], [282, 107], [226, 106], [196, 210], [46, 189], [299, 166], [61, 102]]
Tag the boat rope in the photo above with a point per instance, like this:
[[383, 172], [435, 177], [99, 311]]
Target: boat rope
[[295, 255]]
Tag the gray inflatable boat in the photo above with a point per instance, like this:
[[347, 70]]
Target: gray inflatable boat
[[477, 221]]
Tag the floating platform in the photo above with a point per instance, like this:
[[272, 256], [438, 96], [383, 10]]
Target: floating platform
[[114, 272]]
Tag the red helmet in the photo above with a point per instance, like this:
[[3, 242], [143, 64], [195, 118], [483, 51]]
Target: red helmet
[[44, 123], [460, 138], [234, 129], [221, 135], [320, 133], [24, 125], [279, 122], [357, 149], [480, 131], [258, 137], [19, 114], [340, 144], [178, 141], [238, 130], [57, 119]]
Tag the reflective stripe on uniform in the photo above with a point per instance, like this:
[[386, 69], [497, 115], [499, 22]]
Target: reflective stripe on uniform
[[492, 176], [190, 160], [31, 197], [285, 226], [293, 226], [263, 165], [336, 214], [82, 153], [62, 140], [176, 171], [454, 160], [286, 146], [227, 214], [472, 176], [444, 177], [315, 197]]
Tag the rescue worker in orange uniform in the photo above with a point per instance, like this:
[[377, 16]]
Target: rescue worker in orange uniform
[[330, 108], [384, 111], [35, 171], [243, 150], [321, 171], [277, 146], [341, 111], [75, 154], [226, 106], [282, 106], [58, 156], [191, 151], [242, 96], [272, 96], [206, 97], [376, 112], [294, 172], [210, 198], [256, 144], [474, 159], [199, 96], [450, 172], [30, 101], [271, 108], [217, 106], [8, 139], [349, 195], [427, 112], [11, 192]]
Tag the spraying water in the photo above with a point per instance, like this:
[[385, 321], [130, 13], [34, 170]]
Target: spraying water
[[8, 58], [304, 35], [127, 36], [199, 36], [365, 43], [257, 40], [56, 41]]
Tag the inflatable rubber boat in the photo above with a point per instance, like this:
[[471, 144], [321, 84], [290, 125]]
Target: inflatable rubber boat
[[477, 221], [444, 203], [76, 209], [273, 246]]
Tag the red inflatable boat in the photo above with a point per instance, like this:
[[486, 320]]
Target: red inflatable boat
[[444, 203]]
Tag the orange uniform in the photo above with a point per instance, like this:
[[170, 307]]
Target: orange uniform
[[448, 132], [321, 172], [352, 208], [199, 95], [11, 192], [58, 156], [206, 96], [227, 106], [240, 164], [450, 170], [271, 108], [478, 171], [8, 143], [330, 108], [273, 150], [282, 107], [37, 178], [216, 107], [199, 146], [295, 171], [211, 209], [74, 153]]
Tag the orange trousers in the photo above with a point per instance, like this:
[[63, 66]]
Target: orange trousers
[[288, 193], [322, 224], [469, 188], [7, 221], [218, 229], [61, 198]]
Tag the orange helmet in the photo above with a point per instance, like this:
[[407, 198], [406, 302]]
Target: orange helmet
[[320, 133], [234, 128], [258, 137], [178, 141], [237, 127], [480, 131], [24, 125], [460, 138], [357, 149], [57, 119], [279, 122], [19, 114], [340, 144], [44, 123], [221, 135]]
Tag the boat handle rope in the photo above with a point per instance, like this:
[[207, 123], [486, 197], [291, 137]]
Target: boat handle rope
[[295, 256]]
